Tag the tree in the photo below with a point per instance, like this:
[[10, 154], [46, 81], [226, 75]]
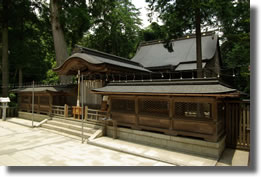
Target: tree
[[75, 19], [58, 35], [153, 32], [231, 17], [69, 23], [180, 17], [235, 50], [27, 43], [115, 27], [5, 68]]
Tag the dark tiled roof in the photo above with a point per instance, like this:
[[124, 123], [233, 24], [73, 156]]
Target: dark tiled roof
[[65, 88], [200, 86], [154, 54], [97, 57]]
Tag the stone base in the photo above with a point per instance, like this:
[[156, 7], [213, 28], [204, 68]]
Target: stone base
[[37, 117], [189, 145]]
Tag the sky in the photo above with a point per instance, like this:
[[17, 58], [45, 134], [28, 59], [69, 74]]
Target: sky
[[141, 4]]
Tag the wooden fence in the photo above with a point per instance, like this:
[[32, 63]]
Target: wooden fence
[[238, 124], [10, 112], [62, 111], [94, 114], [89, 114]]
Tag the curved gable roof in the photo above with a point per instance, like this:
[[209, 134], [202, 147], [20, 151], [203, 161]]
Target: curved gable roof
[[88, 59], [184, 50]]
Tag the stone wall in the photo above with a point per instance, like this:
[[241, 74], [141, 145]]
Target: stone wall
[[189, 145]]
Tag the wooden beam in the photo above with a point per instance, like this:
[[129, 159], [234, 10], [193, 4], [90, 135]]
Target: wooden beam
[[234, 95]]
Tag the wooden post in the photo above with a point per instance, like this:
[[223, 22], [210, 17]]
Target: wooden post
[[109, 108], [50, 104], [137, 110], [38, 100], [171, 113], [65, 110], [86, 113], [114, 129]]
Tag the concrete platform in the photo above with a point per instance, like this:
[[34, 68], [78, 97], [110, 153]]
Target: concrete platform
[[162, 155], [230, 157], [234, 157], [172, 143]]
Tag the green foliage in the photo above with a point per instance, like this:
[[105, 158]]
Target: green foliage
[[13, 100], [236, 47], [51, 76], [75, 19], [153, 32], [115, 27], [26, 44]]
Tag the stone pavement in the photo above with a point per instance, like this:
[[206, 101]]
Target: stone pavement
[[23, 146]]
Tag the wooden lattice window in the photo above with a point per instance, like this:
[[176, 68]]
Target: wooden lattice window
[[123, 105], [35, 99], [25, 99], [44, 100], [154, 107], [193, 110]]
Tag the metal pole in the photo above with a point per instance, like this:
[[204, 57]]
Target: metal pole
[[82, 108], [78, 96], [33, 106]]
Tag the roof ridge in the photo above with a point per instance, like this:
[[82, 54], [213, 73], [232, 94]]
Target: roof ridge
[[187, 36], [104, 54]]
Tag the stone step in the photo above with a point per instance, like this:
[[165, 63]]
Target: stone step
[[65, 130], [77, 122], [72, 126]]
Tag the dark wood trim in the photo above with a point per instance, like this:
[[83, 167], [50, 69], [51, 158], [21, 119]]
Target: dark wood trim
[[233, 95]]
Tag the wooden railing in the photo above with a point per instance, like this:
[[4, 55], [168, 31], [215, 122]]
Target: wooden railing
[[238, 124], [94, 114], [63, 111], [100, 117], [10, 112], [58, 110]]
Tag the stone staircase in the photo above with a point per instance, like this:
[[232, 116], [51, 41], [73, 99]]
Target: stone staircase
[[72, 127]]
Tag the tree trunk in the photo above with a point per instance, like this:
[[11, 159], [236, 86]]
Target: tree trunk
[[58, 37], [198, 43], [200, 113], [5, 70]]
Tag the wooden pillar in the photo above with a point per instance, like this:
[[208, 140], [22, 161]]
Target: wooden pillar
[[29, 107], [86, 113], [215, 117], [65, 110], [137, 110], [214, 111], [50, 104], [38, 106], [171, 113], [109, 107], [115, 129]]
